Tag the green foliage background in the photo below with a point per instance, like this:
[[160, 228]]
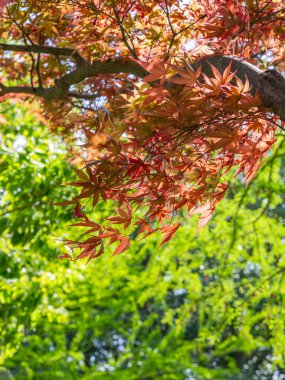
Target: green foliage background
[[201, 307]]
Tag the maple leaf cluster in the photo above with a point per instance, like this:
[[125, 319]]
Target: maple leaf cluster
[[160, 138], [175, 152]]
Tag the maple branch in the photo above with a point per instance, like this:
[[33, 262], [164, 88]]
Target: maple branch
[[243, 69], [4, 90], [115, 66], [268, 16], [131, 49], [270, 85], [83, 71], [38, 68], [66, 52]]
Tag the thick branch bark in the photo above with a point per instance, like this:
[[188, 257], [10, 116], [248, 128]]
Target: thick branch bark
[[16, 90], [244, 70], [270, 85], [272, 91], [115, 66]]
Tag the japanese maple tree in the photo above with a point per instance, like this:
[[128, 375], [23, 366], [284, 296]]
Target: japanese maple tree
[[168, 101]]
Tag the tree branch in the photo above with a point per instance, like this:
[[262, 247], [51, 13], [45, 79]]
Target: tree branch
[[243, 69], [65, 52], [271, 86], [4, 90], [115, 66]]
